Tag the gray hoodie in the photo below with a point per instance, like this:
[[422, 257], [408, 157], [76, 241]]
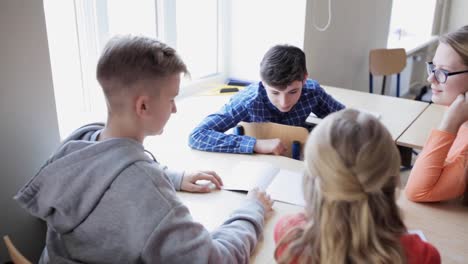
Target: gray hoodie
[[109, 202]]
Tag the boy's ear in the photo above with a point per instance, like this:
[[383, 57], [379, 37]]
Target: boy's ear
[[305, 77], [142, 105]]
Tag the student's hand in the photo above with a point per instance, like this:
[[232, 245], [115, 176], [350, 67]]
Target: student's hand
[[270, 146], [263, 198], [456, 114], [190, 178]]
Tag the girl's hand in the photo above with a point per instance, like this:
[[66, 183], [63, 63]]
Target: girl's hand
[[456, 114]]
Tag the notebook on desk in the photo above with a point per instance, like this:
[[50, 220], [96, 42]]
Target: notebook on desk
[[282, 185]]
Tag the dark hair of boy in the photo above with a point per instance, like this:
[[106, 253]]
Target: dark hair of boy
[[282, 65]]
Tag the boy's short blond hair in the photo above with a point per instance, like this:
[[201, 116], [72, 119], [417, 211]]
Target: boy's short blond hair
[[128, 60]]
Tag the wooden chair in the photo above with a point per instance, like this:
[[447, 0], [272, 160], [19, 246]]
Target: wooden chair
[[383, 62], [286, 133], [15, 256]]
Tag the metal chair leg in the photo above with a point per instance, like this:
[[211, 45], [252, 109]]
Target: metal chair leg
[[384, 80], [398, 86]]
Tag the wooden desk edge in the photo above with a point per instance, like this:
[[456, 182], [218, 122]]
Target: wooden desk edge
[[410, 145]]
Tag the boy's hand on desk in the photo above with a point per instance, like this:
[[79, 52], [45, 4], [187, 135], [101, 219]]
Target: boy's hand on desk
[[263, 198], [190, 178], [269, 146]]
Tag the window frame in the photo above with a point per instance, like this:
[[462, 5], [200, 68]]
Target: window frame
[[166, 31]]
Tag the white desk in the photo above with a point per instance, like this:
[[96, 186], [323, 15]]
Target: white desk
[[418, 132], [444, 224], [397, 114]]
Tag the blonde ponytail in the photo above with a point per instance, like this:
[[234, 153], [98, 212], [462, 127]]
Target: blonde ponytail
[[352, 169]]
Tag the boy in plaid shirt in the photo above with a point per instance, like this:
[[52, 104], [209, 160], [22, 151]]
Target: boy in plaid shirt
[[285, 95]]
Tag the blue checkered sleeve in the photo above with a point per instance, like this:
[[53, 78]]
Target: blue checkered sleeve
[[326, 104], [210, 136]]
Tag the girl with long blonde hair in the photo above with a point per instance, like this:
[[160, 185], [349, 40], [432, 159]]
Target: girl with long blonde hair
[[351, 216]]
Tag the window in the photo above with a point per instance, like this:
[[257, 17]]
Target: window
[[78, 30], [408, 25], [215, 38], [197, 36], [256, 26]]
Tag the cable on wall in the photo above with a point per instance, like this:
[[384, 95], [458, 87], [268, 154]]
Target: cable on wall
[[329, 18]]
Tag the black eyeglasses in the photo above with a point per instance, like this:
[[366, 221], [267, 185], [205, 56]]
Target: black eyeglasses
[[440, 75]]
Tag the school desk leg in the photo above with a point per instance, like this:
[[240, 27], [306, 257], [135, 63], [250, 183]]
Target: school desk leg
[[406, 155]]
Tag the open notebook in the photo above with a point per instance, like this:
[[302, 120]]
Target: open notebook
[[282, 185]]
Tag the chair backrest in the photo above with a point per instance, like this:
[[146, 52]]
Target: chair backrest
[[15, 256], [286, 133], [386, 61]]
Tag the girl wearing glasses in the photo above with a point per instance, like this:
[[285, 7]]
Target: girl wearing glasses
[[441, 170]]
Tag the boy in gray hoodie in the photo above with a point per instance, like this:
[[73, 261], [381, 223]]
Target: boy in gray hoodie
[[107, 201]]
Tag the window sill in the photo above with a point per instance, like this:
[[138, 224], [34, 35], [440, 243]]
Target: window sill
[[411, 44], [199, 86]]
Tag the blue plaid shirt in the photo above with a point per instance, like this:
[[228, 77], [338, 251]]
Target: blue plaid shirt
[[253, 105]]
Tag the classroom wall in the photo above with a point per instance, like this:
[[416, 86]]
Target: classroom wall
[[270, 22], [29, 130], [339, 56], [458, 14]]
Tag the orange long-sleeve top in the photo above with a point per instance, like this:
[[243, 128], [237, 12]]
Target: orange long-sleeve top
[[440, 171]]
